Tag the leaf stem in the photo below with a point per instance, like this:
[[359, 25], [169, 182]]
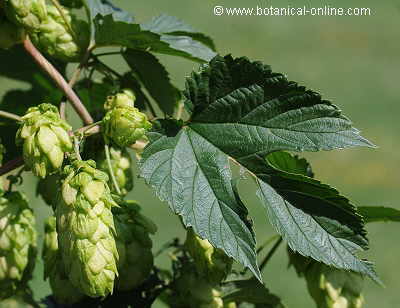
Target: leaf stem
[[10, 115], [59, 80], [270, 253], [110, 169]]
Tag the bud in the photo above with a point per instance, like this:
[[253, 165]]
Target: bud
[[17, 243], [45, 139], [334, 288], [86, 229], [121, 163], [191, 290], [64, 41], [211, 262], [26, 13], [124, 124], [63, 291], [48, 188], [10, 34]]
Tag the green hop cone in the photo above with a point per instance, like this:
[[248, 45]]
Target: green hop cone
[[328, 286], [120, 159], [211, 262], [10, 34], [45, 139], [28, 14], [63, 41], [17, 243], [190, 290], [63, 291], [48, 188], [124, 124], [86, 232], [133, 244]]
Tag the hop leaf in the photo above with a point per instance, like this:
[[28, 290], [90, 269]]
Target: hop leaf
[[212, 263], [86, 229], [10, 34], [63, 291], [133, 244], [76, 4], [123, 123], [64, 39], [45, 139], [120, 162], [26, 13], [17, 243]]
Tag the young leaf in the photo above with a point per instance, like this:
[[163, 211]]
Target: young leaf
[[250, 291], [379, 213], [155, 78], [194, 178], [112, 27]]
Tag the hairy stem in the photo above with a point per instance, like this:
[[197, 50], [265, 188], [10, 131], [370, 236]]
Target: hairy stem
[[110, 169], [10, 115], [59, 80], [11, 165]]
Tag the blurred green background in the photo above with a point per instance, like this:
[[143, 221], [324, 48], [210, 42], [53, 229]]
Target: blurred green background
[[353, 61]]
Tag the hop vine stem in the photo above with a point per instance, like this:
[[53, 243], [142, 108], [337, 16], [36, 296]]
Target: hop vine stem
[[10, 116], [59, 80]]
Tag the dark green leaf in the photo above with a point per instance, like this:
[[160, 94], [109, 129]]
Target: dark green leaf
[[194, 178], [250, 291], [155, 79], [379, 213]]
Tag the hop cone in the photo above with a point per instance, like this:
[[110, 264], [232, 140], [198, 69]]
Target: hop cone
[[48, 188], [133, 244], [191, 290], [45, 139], [211, 262], [63, 291], [86, 229], [17, 242], [26, 13], [66, 42], [120, 162], [124, 124], [10, 34], [329, 287]]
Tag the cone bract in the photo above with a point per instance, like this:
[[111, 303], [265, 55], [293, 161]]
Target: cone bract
[[26, 13], [45, 139], [62, 289], [66, 42], [211, 262], [133, 244], [86, 229], [124, 124], [17, 242]]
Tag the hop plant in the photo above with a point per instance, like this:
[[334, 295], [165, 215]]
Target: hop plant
[[72, 3], [86, 229], [63, 291], [191, 290], [45, 139], [62, 36], [2, 152], [21, 299], [120, 159], [124, 124], [212, 262], [17, 242], [133, 244], [28, 14], [10, 34], [48, 188]]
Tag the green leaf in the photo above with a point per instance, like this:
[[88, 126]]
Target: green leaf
[[155, 79], [165, 24], [250, 291], [111, 26], [291, 164], [379, 213], [194, 178]]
